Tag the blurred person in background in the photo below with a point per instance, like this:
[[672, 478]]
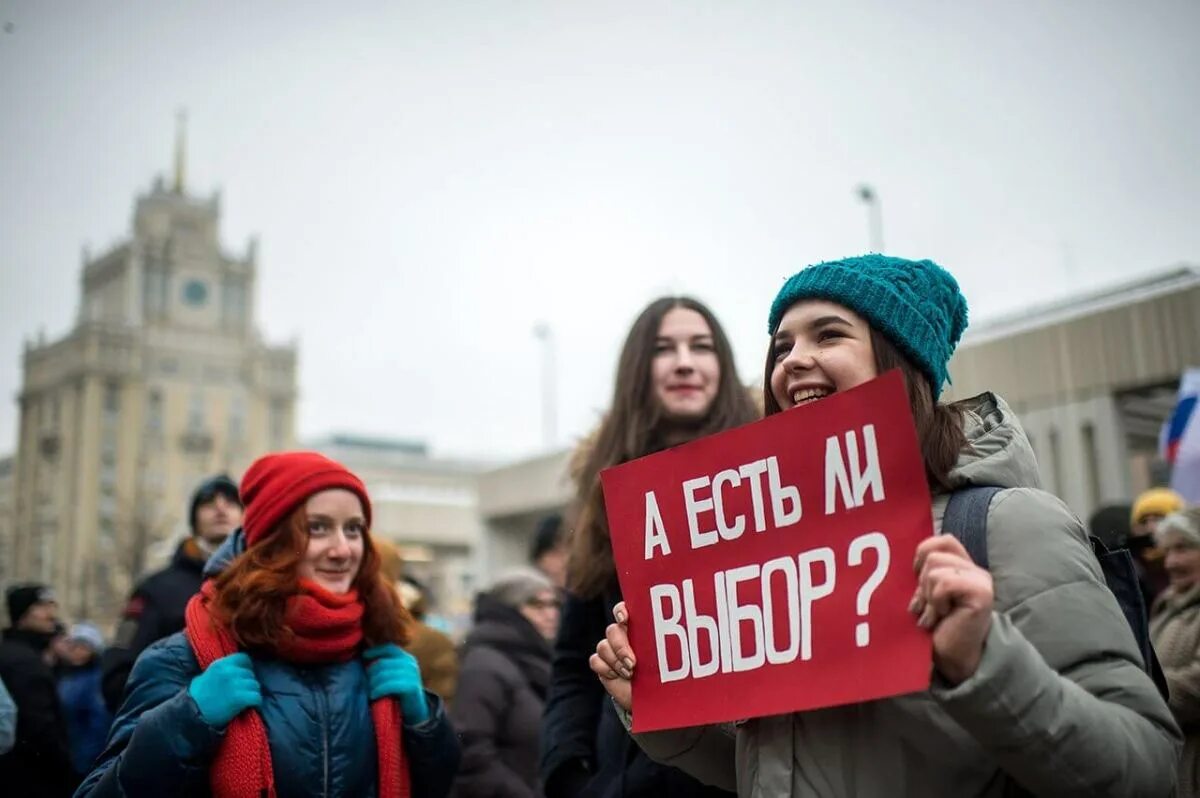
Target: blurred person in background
[[40, 761], [434, 650], [1175, 631], [502, 686], [1110, 525], [676, 381], [1149, 509], [88, 718], [549, 551], [289, 678], [155, 610], [8, 720], [55, 653]]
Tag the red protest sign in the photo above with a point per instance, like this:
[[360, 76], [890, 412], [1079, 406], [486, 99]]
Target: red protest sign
[[768, 569]]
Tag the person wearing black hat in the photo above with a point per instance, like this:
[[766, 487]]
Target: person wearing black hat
[[40, 761], [549, 550], [155, 610]]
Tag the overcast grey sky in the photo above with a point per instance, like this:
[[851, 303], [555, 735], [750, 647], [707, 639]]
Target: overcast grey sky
[[429, 180]]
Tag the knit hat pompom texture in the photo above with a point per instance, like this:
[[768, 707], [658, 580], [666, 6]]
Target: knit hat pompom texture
[[915, 303], [276, 484]]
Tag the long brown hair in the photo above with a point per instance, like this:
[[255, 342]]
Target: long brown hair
[[252, 593], [939, 426], [634, 427]]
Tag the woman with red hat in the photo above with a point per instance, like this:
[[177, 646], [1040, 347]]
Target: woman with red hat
[[289, 679]]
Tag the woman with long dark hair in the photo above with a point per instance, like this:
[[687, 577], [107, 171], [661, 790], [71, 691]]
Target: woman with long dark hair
[[288, 679], [676, 381]]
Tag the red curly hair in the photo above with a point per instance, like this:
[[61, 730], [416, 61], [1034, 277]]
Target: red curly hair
[[252, 593]]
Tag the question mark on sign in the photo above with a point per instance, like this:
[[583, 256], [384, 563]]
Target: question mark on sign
[[876, 541]]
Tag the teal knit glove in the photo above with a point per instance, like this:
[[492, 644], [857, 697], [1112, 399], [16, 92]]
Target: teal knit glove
[[225, 689], [395, 672]]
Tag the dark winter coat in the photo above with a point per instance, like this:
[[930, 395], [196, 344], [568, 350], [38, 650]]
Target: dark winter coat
[[585, 750], [318, 720], [87, 717], [154, 611], [498, 712], [40, 762]]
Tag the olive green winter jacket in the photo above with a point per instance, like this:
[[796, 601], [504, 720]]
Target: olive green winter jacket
[[1060, 704]]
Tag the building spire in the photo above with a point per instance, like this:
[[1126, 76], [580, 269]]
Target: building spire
[[180, 150]]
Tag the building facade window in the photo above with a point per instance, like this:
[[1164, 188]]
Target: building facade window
[[1091, 459], [154, 292], [108, 437], [278, 423], [237, 420], [154, 411], [196, 410], [43, 414], [112, 398], [1056, 470], [233, 302]]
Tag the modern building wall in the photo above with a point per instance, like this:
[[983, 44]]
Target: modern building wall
[[1092, 378], [512, 499]]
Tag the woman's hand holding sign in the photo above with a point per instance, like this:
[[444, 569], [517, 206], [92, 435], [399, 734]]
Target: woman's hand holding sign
[[954, 602], [614, 661]]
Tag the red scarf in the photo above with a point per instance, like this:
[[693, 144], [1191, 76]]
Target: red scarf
[[328, 628]]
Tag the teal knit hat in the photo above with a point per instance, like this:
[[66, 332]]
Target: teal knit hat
[[915, 303]]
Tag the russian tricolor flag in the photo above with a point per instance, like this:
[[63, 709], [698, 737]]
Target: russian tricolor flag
[[1179, 443]]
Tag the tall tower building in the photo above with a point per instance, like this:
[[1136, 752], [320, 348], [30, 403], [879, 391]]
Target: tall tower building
[[163, 380]]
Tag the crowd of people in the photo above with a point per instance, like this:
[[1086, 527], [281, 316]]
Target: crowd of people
[[283, 651]]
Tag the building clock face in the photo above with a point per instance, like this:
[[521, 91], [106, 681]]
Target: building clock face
[[195, 293]]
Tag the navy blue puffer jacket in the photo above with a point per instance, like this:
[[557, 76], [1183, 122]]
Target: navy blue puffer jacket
[[318, 724]]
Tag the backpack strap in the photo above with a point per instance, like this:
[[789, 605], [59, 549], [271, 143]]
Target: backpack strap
[[1120, 574], [966, 519]]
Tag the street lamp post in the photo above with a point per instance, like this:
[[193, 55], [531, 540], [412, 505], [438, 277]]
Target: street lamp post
[[543, 333], [874, 216]]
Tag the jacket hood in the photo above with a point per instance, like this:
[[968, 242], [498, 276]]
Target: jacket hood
[[998, 453], [503, 627], [233, 546]]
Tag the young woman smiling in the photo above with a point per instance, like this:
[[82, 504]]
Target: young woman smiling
[[676, 381], [1038, 683], [288, 680]]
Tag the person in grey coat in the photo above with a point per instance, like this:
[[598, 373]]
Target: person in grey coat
[[502, 686], [1038, 683]]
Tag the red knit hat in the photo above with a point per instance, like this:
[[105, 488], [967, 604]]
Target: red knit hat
[[276, 484]]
